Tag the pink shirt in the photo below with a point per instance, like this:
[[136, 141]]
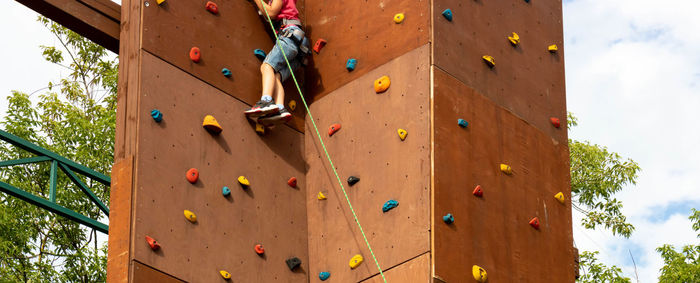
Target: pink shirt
[[289, 10]]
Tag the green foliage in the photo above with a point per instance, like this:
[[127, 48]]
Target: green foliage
[[682, 266], [596, 175], [74, 117], [593, 271]]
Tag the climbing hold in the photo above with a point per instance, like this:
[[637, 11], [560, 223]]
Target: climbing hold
[[535, 223], [259, 249], [560, 197], [260, 129], [489, 60], [479, 273], [355, 261], [527, 1], [553, 48], [321, 196], [398, 18], [225, 274], [211, 124], [448, 218], [157, 115], [292, 182], [462, 123], [478, 191], [195, 55], [402, 134], [350, 64], [353, 180], [320, 43], [382, 84], [292, 105], [514, 39], [555, 122], [243, 181], [260, 54], [192, 175], [333, 129], [211, 7], [447, 14], [506, 169], [389, 204], [324, 275], [293, 263], [226, 72], [190, 216], [153, 243], [225, 191], [160, 1]]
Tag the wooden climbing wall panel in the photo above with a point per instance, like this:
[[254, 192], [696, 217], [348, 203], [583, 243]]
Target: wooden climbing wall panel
[[363, 30], [493, 231], [368, 146], [269, 212], [528, 80], [414, 270]]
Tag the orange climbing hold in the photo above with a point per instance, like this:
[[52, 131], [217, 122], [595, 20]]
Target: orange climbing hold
[[320, 43], [153, 243], [292, 182], [195, 55], [259, 249], [212, 125], [192, 175], [260, 129], [555, 122], [535, 223], [478, 191], [211, 7], [333, 129], [382, 84], [292, 105]]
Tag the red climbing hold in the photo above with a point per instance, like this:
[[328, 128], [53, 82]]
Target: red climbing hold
[[334, 128], [192, 175], [535, 223], [153, 243], [478, 192], [211, 7], [555, 122], [259, 249], [320, 43], [292, 182], [195, 55]]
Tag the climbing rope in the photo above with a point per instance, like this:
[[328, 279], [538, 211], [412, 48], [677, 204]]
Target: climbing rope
[[354, 215]]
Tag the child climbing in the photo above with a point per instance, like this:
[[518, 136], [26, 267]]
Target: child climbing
[[274, 68]]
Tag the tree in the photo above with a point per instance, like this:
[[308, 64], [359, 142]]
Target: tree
[[75, 118], [594, 272], [682, 266]]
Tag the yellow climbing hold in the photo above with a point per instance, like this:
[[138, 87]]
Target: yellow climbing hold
[[190, 216], [260, 129], [402, 134], [321, 196], [479, 273], [506, 169], [355, 261], [225, 274], [211, 124], [398, 18], [553, 48], [160, 1], [382, 84], [243, 181], [489, 60], [514, 39], [292, 105], [560, 197]]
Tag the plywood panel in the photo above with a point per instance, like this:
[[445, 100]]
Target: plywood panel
[[527, 80], [119, 240], [493, 231], [146, 274], [363, 30], [368, 146], [416, 270], [269, 212]]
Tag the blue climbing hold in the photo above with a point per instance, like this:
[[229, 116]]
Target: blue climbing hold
[[157, 115], [388, 205], [527, 1], [225, 191], [260, 54], [226, 72], [462, 123], [350, 65], [447, 14], [448, 218], [324, 275]]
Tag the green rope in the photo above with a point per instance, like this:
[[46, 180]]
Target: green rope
[[291, 71]]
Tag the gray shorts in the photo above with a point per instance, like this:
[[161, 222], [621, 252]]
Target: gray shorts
[[276, 59]]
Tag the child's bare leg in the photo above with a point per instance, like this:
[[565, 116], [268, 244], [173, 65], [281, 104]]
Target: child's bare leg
[[266, 105], [268, 79], [279, 91]]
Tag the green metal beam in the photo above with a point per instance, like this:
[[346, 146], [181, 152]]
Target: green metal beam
[[34, 159], [84, 188], [54, 176], [53, 207]]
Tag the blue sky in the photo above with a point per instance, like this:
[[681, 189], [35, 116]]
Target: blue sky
[[632, 68]]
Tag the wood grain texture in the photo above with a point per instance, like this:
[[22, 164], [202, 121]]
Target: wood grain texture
[[368, 147], [145, 274], [527, 80], [118, 255], [493, 231], [416, 270], [227, 229]]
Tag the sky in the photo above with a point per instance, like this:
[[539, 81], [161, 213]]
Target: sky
[[633, 81]]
